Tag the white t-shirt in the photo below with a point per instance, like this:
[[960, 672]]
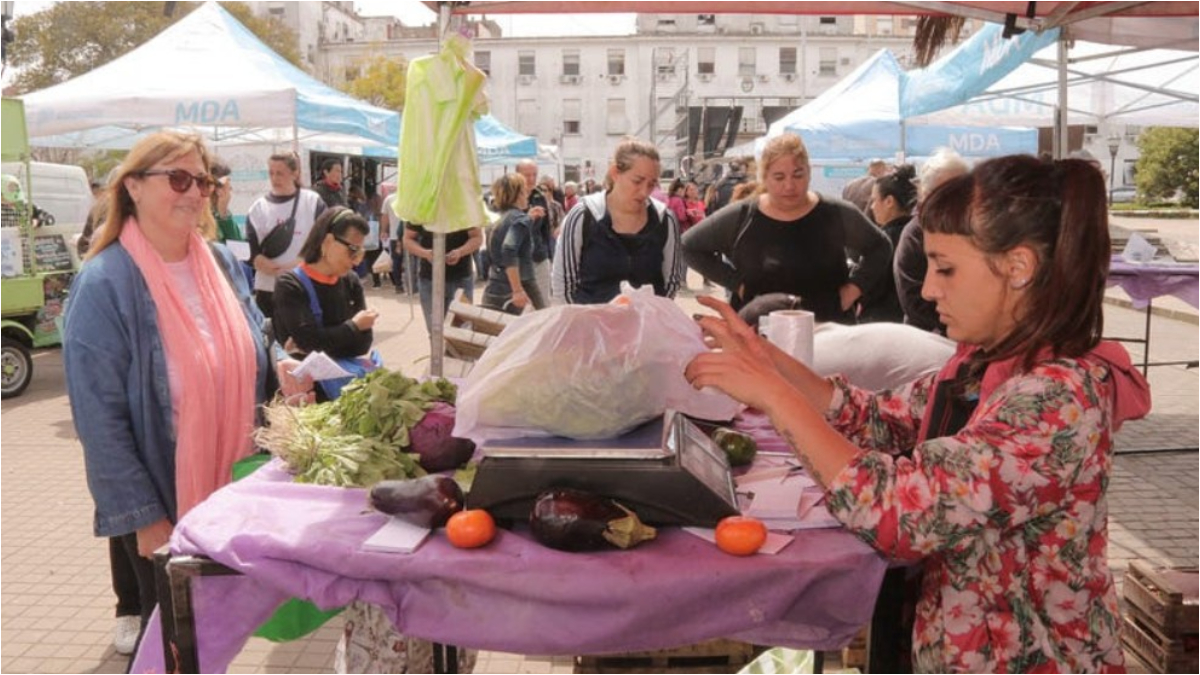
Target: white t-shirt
[[185, 284], [269, 211]]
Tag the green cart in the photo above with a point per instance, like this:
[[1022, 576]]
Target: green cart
[[38, 267]]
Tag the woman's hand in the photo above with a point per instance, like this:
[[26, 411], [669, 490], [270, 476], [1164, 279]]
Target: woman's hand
[[153, 537], [364, 320], [519, 298], [849, 294], [742, 365]]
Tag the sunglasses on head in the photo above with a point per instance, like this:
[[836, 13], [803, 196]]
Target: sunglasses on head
[[181, 181], [354, 250]]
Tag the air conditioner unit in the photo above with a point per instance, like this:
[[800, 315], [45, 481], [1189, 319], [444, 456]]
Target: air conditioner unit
[[789, 77], [526, 79], [615, 79], [764, 78], [704, 77], [845, 60], [756, 29], [569, 79]]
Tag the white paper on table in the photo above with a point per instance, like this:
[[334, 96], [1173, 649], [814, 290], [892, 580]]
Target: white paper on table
[[239, 249], [775, 495], [317, 366], [775, 542], [396, 536]]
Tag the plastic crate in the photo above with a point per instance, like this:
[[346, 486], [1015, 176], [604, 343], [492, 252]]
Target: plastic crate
[[712, 656], [1163, 654], [1166, 597]]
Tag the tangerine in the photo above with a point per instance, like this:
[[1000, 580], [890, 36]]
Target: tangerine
[[741, 535], [471, 528]]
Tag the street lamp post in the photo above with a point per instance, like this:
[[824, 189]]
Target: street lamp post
[[1114, 144]]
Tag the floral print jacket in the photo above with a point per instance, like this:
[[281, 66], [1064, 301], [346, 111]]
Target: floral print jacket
[[1009, 514]]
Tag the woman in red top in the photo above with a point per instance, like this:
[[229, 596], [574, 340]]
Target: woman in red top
[[992, 472]]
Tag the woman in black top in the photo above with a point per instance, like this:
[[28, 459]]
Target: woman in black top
[[512, 282], [892, 200], [339, 324], [789, 239]]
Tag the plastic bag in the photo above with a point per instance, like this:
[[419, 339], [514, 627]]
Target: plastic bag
[[587, 372]]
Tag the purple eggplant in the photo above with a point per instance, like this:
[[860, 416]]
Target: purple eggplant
[[428, 501], [573, 520]]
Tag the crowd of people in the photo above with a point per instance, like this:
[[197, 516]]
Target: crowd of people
[[989, 470]]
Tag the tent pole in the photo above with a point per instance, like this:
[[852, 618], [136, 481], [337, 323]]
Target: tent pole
[[437, 314], [1060, 122]]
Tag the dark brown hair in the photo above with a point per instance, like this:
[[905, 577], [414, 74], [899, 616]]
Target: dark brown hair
[[336, 220], [1057, 208]]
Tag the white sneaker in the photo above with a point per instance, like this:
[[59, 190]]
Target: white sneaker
[[125, 634]]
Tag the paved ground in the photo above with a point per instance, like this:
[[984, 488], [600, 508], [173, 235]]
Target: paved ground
[[56, 604]]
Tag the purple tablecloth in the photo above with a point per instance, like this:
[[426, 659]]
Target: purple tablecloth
[[513, 595], [1145, 281]]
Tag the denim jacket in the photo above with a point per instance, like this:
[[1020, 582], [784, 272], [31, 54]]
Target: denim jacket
[[116, 371]]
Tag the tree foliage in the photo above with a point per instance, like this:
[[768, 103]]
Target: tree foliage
[[68, 39], [1168, 163], [381, 82]]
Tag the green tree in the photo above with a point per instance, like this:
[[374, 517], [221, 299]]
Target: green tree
[[381, 82], [68, 39], [1168, 163]]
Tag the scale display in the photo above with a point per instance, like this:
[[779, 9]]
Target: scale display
[[668, 471]]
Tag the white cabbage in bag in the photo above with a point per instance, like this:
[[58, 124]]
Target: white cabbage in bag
[[587, 372]]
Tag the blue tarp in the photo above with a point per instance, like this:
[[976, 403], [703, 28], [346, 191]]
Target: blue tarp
[[978, 63]]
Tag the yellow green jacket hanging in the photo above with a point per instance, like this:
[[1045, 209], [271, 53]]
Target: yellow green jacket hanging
[[438, 178]]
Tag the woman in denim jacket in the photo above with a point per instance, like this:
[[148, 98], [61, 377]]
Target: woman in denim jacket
[[162, 350]]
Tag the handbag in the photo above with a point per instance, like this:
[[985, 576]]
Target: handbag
[[278, 240], [357, 366]]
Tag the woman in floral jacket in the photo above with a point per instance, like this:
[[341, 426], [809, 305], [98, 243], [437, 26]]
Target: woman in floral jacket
[[994, 471]]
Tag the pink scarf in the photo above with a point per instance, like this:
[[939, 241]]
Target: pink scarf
[[212, 428]]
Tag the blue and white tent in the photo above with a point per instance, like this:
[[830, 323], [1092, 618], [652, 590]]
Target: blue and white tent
[[859, 119]]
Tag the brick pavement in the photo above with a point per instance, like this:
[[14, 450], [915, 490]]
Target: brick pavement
[[56, 605]]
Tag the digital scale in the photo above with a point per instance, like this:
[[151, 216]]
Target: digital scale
[[668, 471]]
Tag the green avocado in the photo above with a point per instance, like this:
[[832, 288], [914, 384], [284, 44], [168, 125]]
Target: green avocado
[[739, 447]]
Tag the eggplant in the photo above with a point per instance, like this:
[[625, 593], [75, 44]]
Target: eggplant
[[428, 501], [573, 520]]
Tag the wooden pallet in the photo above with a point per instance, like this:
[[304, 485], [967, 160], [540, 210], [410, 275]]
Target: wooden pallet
[[1167, 597], [470, 330], [1163, 654]]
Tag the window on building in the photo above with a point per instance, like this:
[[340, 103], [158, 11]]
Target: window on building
[[827, 21], [746, 61], [884, 25], [570, 59], [706, 60], [527, 116], [664, 61], [572, 108], [828, 61], [706, 19], [666, 23], [483, 61], [787, 60], [617, 124], [526, 63], [616, 62], [571, 172]]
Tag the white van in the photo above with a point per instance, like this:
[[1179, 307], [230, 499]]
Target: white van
[[62, 190]]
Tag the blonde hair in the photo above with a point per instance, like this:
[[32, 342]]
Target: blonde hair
[[507, 190], [163, 146], [627, 152], [784, 145]]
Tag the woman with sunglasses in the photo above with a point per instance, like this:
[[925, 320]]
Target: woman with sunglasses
[[277, 225], [993, 472], [345, 326], [156, 346]]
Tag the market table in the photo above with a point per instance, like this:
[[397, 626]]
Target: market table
[[1143, 282], [514, 595]]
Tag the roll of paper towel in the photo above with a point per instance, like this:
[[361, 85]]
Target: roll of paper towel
[[792, 331]]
